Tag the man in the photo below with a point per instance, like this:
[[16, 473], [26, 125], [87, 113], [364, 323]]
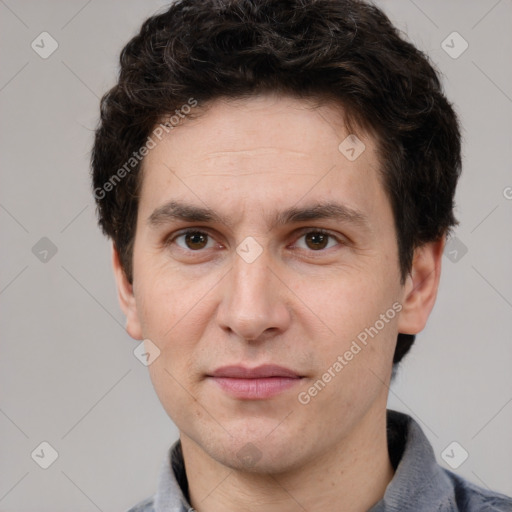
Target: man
[[277, 178]]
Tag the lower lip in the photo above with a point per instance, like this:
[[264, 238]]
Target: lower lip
[[255, 389]]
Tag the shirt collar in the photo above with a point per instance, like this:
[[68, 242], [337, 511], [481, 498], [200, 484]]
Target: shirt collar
[[173, 485], [416, 473], [418, 480]]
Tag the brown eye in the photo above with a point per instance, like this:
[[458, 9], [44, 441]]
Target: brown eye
[[316, 240], [192, 240], [196, 240]]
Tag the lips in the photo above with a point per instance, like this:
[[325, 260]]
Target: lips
[[257, 383], [260, 372]]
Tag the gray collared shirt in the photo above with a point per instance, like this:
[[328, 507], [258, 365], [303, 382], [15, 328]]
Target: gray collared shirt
[[419, 483]]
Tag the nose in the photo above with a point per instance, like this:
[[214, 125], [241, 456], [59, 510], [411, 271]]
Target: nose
[[254, 302]]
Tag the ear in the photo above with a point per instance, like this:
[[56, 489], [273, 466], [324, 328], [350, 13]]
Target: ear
[[126, 297], [420, 289]]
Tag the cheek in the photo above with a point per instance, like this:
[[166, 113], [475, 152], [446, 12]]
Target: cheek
[[346, 303], [166, 307], [172, 316], [362, 329], [175, 314], [355, 358]]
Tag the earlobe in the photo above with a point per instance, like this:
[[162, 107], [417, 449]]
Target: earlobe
[[126, 297], [420, 289]]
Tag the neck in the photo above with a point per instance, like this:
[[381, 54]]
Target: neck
[[351, 477]]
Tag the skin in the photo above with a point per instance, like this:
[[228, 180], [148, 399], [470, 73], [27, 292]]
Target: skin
[[298, 304]]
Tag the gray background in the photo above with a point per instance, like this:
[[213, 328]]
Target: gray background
[[68, 375]]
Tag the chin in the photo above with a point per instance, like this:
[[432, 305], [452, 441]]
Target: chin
[[256, 454]]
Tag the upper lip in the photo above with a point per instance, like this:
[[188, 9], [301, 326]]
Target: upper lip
[[260, 372]]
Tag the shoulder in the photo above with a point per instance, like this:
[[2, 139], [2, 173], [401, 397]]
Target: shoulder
[[470, 497], [144, 506]]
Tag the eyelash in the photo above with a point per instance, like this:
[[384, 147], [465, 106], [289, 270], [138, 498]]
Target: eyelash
[[185, 232]]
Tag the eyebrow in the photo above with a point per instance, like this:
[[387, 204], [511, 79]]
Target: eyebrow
[[173, 211]]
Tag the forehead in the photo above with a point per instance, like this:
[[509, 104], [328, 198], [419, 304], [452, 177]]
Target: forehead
[[264, 151], [270, 121]]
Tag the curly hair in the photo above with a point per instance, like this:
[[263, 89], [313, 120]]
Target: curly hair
[[344, 50]]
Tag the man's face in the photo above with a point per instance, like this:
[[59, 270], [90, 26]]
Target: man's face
[[258, 284]]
